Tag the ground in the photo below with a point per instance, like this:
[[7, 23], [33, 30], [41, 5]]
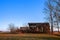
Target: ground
[[29, 37]]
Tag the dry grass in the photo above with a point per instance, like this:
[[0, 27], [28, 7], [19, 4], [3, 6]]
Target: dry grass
[[28, 37], [37, 35]]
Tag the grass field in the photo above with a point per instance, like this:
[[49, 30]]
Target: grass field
[[28, 37]]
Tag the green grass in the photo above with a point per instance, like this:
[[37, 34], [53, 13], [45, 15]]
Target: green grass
[[29, 38]]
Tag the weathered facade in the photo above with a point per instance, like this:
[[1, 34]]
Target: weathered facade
[[24, 29], [39, 27], [36, 28]]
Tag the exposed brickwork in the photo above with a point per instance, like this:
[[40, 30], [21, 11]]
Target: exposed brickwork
[[36, 28]]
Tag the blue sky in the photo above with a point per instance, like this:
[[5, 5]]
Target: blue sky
[[20, 12]]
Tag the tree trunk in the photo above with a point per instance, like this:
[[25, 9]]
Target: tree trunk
[[51, 19]]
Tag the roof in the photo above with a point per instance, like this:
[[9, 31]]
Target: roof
[[38, 23]]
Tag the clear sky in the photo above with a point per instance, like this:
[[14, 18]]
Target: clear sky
[[20, 12]]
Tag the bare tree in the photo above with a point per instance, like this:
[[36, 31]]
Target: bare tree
[[57, 12], [49, 9], [53, 8], [12, 28]]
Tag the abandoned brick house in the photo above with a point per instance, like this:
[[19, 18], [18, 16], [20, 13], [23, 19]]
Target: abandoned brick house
[[37, 28]]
